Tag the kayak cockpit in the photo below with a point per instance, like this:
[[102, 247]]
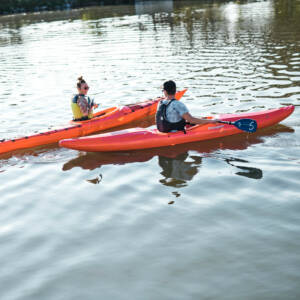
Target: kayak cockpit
[[98, 115]]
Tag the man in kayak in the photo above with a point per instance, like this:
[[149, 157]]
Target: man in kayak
[[173, 115], [82, 105]]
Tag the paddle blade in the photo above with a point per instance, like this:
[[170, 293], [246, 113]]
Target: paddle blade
[[248, 125]]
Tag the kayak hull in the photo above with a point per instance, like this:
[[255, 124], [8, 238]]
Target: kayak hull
[[105, 119], [138, 138]]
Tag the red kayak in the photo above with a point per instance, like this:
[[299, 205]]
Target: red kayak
[[138, 138]]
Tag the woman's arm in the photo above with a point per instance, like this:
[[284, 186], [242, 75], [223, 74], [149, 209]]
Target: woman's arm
[[83, 104]]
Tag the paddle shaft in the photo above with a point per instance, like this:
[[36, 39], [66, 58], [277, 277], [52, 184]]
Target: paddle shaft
[[226, 122]]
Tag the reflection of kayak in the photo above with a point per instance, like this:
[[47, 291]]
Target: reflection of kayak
[[138, 138], [105, 119], [94, 160]]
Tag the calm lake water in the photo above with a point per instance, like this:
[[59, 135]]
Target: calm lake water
[[208, 220]]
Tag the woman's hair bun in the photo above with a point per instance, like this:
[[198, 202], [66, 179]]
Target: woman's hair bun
[[80, 81]]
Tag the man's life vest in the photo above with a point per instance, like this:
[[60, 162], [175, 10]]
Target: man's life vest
[[163, 125], [77, 114]]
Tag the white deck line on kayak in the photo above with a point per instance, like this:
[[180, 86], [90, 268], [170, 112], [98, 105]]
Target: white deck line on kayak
[[215, 127]]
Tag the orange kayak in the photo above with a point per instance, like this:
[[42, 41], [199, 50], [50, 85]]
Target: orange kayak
[[138, 138], [102, 120]]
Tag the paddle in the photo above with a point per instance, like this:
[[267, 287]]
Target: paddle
[[248, 125]]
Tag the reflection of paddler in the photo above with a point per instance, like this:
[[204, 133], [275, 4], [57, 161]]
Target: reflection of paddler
[[82, 105], [177, 170]]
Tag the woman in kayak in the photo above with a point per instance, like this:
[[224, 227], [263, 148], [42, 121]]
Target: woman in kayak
[[173, 115], [82, 105]]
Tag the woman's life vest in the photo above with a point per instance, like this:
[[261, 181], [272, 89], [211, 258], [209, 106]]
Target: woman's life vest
[[163, 125], [77, 113]]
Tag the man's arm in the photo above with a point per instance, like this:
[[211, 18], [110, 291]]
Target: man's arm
[[190, 119]]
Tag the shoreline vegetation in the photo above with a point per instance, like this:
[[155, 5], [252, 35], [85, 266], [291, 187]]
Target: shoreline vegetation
[[19, 7], [24, 6]]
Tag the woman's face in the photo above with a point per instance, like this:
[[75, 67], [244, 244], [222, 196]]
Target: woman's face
[[83, 88]]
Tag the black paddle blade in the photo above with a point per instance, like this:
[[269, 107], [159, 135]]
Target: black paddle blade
[[248, 125]]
